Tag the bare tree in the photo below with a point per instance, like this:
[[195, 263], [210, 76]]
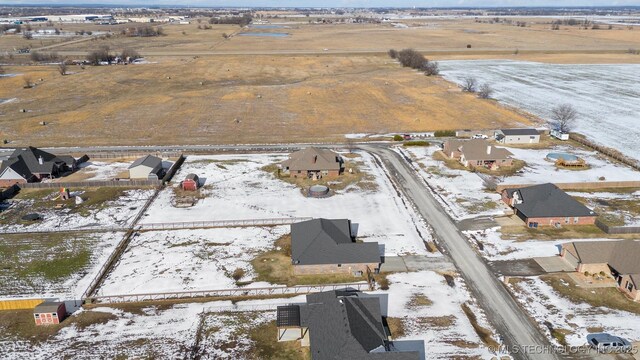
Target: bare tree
[[27, 35], [2, 70], [485, 91], [469, 84], [393, 53], [564, 116], [129, 55], [431, 68], [62, 67]]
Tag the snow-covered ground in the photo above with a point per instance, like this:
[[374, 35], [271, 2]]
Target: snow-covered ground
[[239, 189], [99, 170], [605, 96], [100, 246], [181, 260], [115, 213], [441, 342], [464, 192], [545, 305]]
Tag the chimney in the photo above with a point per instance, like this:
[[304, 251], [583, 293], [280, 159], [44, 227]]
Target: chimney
[[315, 159], [40, 160], [488, 149]]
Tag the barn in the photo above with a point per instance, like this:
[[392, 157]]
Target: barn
[[190, 183], [49, 313]]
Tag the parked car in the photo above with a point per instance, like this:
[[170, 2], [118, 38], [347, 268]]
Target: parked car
[[480, 136], [606, 343]]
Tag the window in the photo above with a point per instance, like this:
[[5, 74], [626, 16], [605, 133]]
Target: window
[[36, 315], [629, 286], [566, 220], [54, 314], [576, 219], [339, 265], [532, 137], [299, 171]]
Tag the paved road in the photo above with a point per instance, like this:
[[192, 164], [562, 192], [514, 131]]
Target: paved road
[[503, 311]]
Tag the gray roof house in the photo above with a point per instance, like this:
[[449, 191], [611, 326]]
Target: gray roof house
[[313, 159], [31, 164], [341, 324], [329, 242], [148, 167], [547, 201], [518, 136]]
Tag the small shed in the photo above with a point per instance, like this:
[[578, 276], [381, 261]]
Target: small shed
[[49, 313], [190, 183], [148, 167]]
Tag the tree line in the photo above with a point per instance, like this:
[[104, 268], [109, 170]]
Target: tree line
[[242, 21], [415, 60]]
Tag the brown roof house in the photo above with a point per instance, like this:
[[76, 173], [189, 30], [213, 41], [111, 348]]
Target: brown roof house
[[341, 324], [618, 258], [323, 246], [546, 204], [313, 162], [477, 153]]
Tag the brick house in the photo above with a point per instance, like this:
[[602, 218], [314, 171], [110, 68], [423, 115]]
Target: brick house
[[313, 162], [32, 164], [340, 324], [547, 205], [49, 313], [477, 153], [323, 246], [616, 258]]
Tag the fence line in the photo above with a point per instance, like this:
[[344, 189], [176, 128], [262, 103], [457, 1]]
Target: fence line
[[266, 291], [606, 151], [579, 185], [97, 183], [68, 229], [172, 171], [129, 154], [220, 223], [617, 229]]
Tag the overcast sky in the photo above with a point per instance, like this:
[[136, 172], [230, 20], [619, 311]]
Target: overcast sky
[[340, 3]]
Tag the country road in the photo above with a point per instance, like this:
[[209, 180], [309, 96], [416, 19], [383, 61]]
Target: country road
[[517, 329]]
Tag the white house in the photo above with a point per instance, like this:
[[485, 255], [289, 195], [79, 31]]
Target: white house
[[517, 136], [146, 168]]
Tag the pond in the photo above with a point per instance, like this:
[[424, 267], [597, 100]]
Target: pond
[[265, 34]]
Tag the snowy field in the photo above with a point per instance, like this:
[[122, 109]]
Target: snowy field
[[442, 325], [99, 170], [114, 213], [181, 260], [606, 96], [236, 188], [28, 253], [464, 193], [545, 305]]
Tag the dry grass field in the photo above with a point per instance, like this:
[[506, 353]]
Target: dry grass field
[[200, 88]]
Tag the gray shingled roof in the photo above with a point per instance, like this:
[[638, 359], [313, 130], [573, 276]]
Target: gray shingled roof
[[18, 165], [621, 255], [30, 157], [324, 241], [547, 200], [47, 307], [313, 158], [524, 132], [149, 160], [346, 325], [476, 149]]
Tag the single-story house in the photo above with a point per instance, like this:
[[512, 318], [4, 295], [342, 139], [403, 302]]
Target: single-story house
[[147, 168], [313, 162], [477, 153], [324, 246], [49, 313], [190, 183], [546, 204], [618, 258], [339, 325], [32, 164], [517, 136]]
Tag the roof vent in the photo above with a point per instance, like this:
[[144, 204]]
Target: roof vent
[[40, 160]]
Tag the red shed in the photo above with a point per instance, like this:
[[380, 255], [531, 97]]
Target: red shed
[[49, 313], [190, 183]]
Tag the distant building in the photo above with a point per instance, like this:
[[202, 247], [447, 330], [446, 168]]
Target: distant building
[[146, 168], [340, 325], [311, 162], [190, 183], [477, 153], [323, 246], [616, 258], [32, 164], [518, 136], [49, 313], [547, 205]]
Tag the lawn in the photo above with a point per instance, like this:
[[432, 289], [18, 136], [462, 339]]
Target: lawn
[[606, 297], [274, 266]]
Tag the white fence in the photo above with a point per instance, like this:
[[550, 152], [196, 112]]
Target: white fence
[[220, 223], [236, 292]]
